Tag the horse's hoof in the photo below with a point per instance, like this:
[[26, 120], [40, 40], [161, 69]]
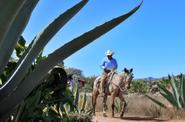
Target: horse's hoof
[[121, 117], [104, 115], [112, 115]]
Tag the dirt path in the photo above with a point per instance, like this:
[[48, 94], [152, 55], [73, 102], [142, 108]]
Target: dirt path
[[99, 118]]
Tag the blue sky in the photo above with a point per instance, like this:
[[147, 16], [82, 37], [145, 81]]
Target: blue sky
[[151, 41]]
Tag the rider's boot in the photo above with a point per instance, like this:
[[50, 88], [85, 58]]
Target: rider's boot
[[102, 85]]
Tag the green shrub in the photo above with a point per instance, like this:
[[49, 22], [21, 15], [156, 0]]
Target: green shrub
[[139, 87]]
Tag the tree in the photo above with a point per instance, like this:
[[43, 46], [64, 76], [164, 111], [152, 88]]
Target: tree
[[74, 71]]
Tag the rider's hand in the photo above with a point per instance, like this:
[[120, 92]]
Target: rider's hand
[[113, 70]]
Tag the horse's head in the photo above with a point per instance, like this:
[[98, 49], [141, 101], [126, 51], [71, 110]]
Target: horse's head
[[128, 77]]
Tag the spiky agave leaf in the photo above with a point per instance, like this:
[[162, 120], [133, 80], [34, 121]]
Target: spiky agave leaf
[[76, 96], [182, 90], [8, 12], [156, 101], [17, 65], [38, 44], [176, 96], [168, 95], [60, 54], [175, 90], [67, 109], [15, 30], [19, 112], [84, 101]]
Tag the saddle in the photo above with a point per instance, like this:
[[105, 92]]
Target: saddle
[[107, 82]]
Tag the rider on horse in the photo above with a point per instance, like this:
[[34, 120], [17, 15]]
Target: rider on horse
[[109, 65]]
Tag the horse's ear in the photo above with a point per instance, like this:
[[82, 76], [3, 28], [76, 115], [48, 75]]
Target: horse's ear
[[131, 70], [125, 70]]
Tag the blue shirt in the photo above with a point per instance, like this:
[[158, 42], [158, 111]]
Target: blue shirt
[[109, 64]]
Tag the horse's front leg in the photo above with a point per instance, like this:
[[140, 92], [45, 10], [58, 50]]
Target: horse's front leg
[[112, 105], [94, 98], [104, 105], [124, 105]]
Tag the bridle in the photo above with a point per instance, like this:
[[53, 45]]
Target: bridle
[[123, 89]]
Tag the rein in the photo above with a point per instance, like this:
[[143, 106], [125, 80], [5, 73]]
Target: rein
[[121, 89]]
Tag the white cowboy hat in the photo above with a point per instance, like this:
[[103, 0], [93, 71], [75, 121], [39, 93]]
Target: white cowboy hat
[[109, 52]]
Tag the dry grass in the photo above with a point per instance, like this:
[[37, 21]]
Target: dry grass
[[139, 105], [175, 114]]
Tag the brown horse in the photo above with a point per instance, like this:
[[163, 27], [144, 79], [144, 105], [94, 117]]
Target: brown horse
[[118, 84]]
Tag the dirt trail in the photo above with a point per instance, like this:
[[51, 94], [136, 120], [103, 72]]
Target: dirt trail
[[99, 118]]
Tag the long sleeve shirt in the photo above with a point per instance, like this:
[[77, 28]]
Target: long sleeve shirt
[[109, 64]]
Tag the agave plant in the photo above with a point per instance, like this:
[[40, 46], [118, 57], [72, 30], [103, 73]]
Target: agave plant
[[175, 95], [14, 17], [81, 113], [43, 103]]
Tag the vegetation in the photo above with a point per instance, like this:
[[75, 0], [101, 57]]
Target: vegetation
[[15, 16], [74, 71], [139, 86], [48, 101], [81, 113], [175, 94], [89, 83], [42, 103]]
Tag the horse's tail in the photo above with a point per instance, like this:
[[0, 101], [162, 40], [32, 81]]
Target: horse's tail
[[96, 81]]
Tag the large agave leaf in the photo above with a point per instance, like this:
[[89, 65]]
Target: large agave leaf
[[14, 32], [19, 112], [76, 94], [182, 90], [60, 54], [175, 90], [18, 64], [168, 95], [40, 41], [156, 101], [84, 100], [67, 109], [170, 99], [8, 12]]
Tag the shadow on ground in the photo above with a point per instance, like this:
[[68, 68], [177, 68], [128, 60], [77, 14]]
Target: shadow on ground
[[142, 118]]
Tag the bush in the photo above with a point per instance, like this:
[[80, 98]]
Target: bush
[[139, 87], [75, 117]]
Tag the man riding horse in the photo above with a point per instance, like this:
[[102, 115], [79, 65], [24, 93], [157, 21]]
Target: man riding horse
[[109, 65], [118, 83]]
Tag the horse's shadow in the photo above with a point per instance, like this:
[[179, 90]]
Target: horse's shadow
[[142, 118]]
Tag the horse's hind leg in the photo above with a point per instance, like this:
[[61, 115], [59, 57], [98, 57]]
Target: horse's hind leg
[[94, 98], [124, 105]]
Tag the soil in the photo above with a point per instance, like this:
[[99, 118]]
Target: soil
[[139, 109], [100, 118]]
